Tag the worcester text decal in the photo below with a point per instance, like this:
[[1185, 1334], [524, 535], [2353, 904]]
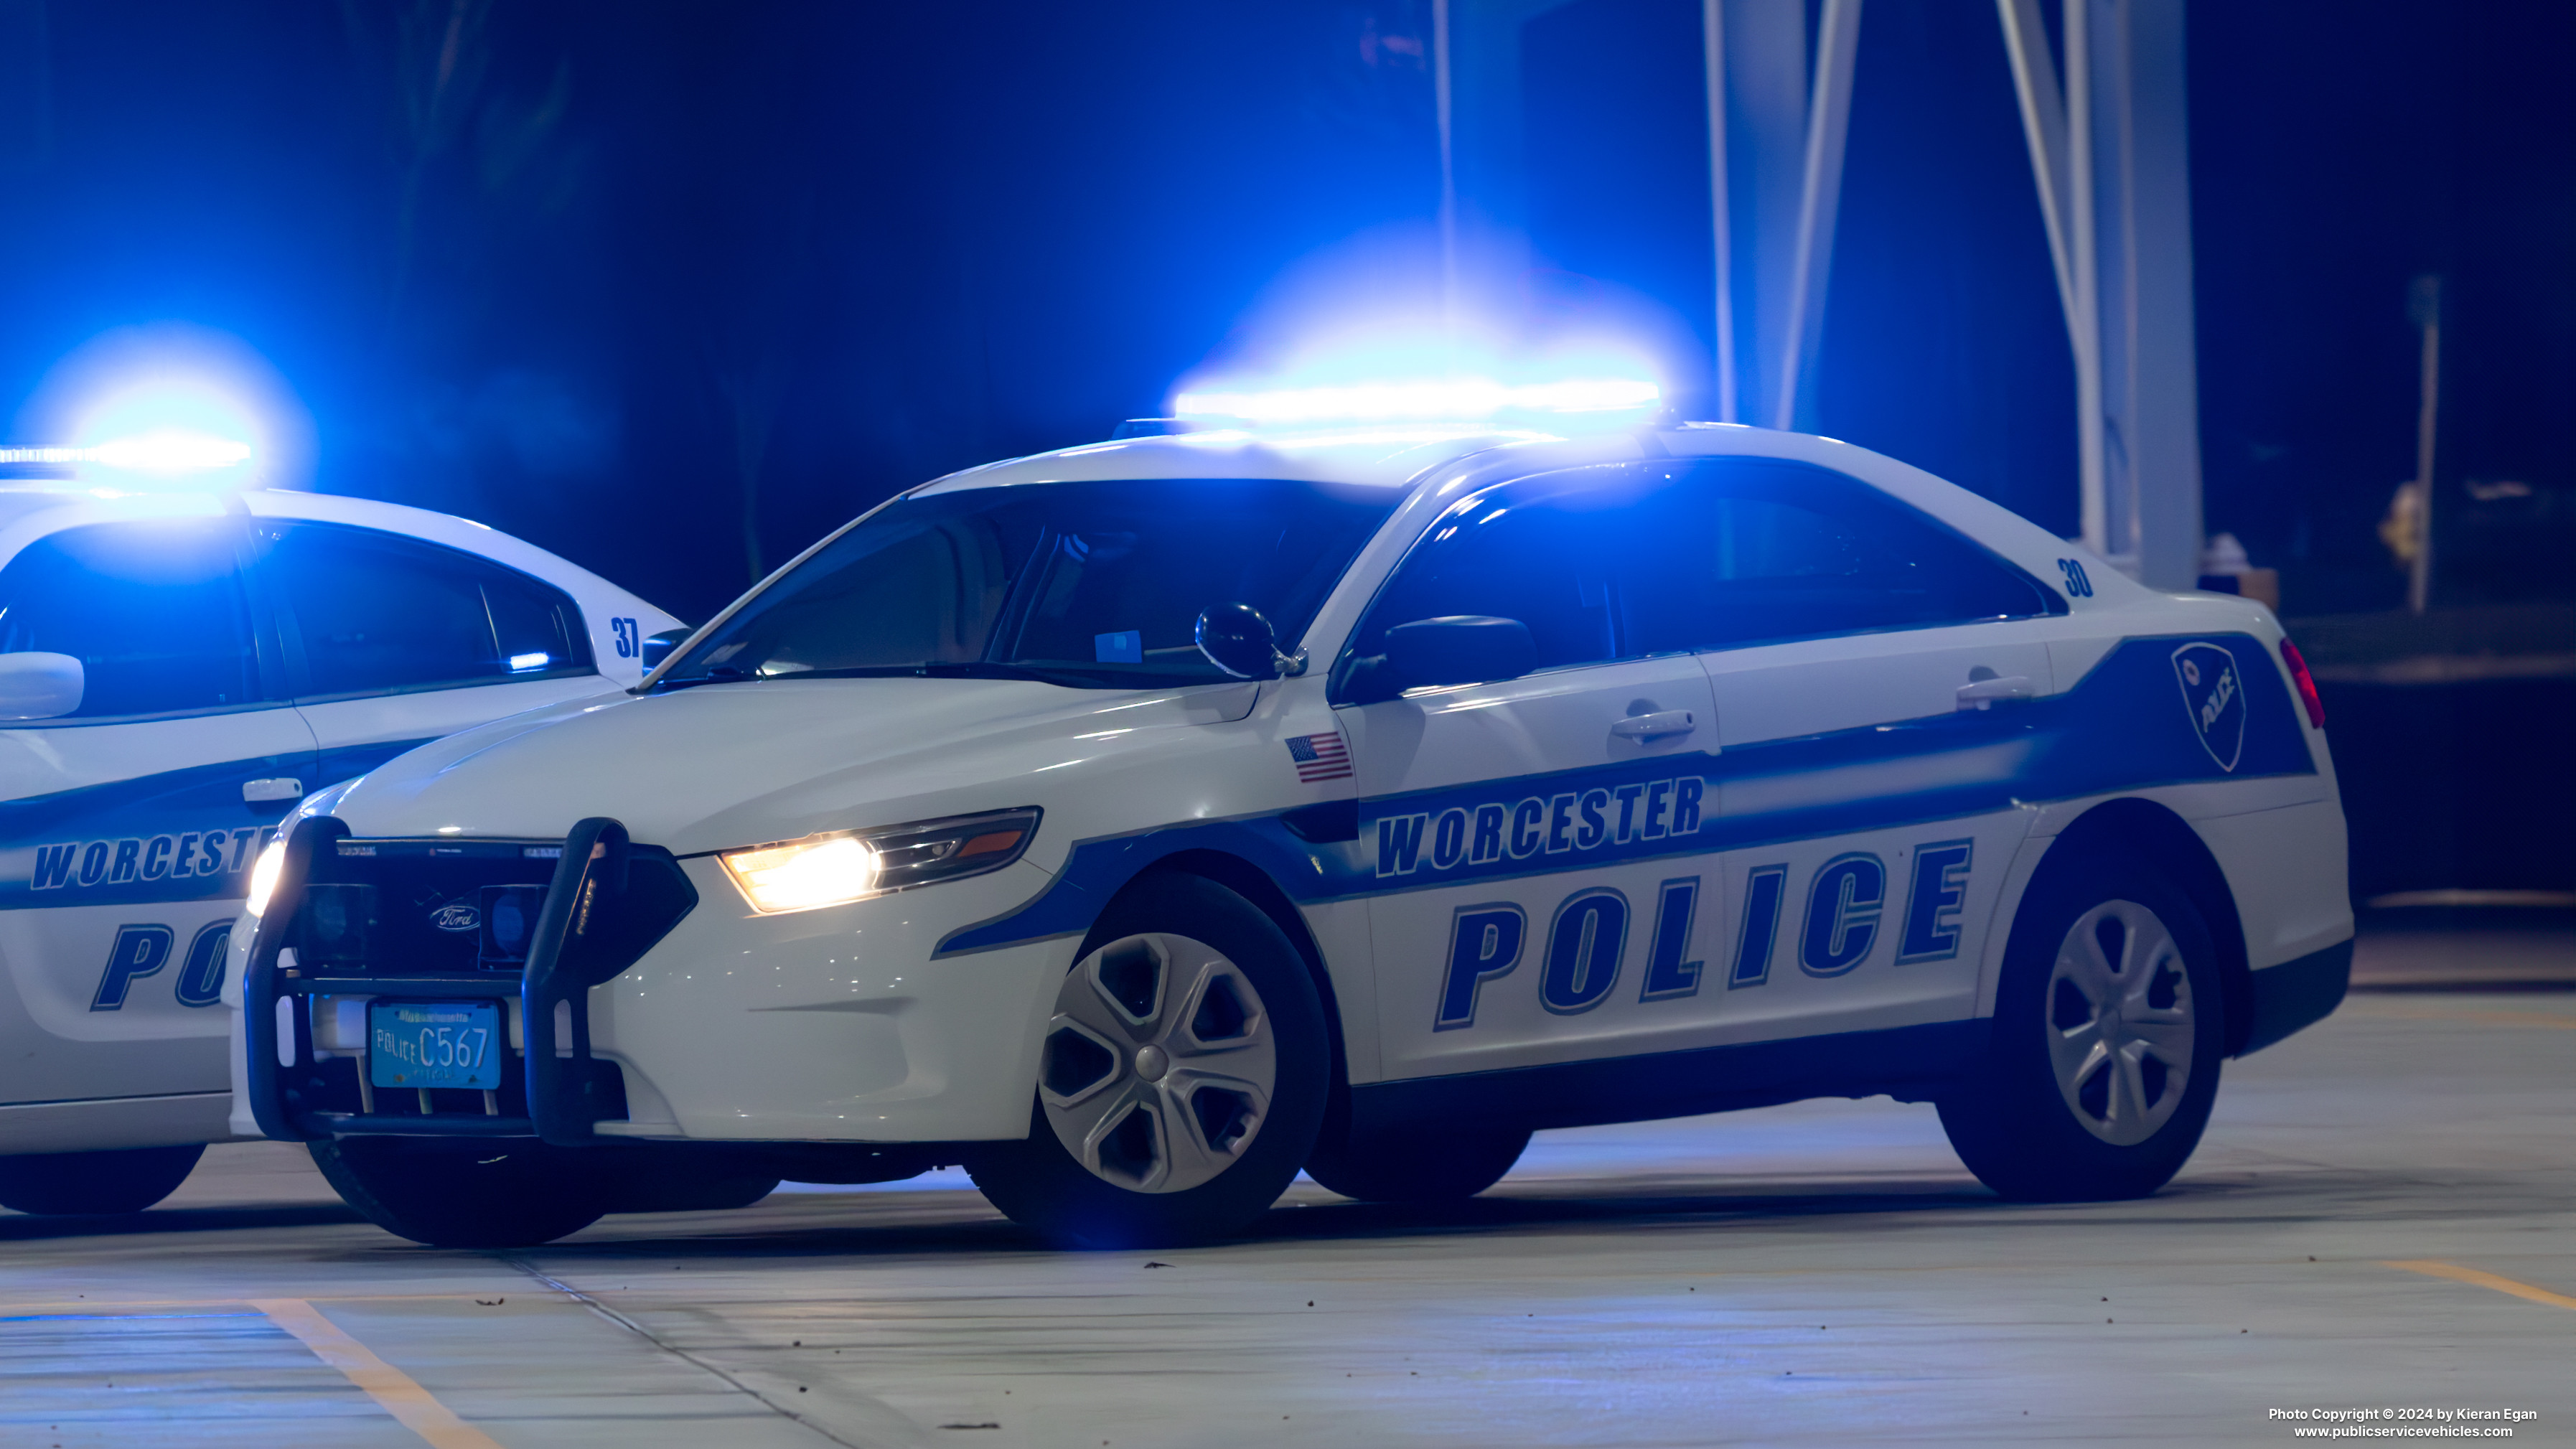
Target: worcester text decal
[[1493, 837], [191, 855]]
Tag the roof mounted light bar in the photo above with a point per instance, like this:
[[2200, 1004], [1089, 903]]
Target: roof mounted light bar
[[1449, 399]]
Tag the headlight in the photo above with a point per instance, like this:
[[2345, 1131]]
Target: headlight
[[263, 878], [805, 874], [827, 870]]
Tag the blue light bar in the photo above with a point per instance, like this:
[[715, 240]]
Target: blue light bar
[[1454, 399], [153, 453]]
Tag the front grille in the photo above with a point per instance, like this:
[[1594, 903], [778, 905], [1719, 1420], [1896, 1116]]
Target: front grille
[[406, 907]]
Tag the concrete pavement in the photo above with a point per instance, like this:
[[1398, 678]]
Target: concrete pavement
[[1819, 1274]]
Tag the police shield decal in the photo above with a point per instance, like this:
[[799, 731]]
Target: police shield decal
[[2214, 697]]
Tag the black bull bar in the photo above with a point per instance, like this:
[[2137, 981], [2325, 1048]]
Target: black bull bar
[[591, 927]]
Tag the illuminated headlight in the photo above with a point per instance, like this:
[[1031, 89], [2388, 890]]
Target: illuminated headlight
[[827, 870], [263, 878]]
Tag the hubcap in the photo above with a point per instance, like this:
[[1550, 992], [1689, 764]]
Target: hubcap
[[2119, 1022], [1159, 1063]]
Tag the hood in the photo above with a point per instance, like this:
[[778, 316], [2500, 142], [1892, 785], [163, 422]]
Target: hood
[[724, 765]]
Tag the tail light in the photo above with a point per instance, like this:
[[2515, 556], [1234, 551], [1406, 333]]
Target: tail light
[[2307, 685]]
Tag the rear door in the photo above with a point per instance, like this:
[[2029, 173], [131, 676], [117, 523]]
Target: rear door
[[130, 823], [1542, 894], [1877, 679], [394, 641]]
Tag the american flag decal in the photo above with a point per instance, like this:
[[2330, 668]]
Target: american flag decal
[[1320, 757]]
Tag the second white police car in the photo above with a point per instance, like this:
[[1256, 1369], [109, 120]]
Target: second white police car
[[1140, 823], [178, 670]]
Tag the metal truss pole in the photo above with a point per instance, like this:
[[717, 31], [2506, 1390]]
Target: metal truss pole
[[1819, 202]]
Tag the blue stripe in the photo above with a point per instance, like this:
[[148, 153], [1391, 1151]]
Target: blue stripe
[[2127, 725], [167, 805]]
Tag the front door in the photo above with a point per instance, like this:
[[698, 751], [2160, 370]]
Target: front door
[[130, 824], [1542, 890]]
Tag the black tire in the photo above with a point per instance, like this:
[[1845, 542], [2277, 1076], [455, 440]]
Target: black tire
[[1043, 1185], [446, 1193], [652, 1187], [95, 1182], [2032, 1138], [1418, 1169]]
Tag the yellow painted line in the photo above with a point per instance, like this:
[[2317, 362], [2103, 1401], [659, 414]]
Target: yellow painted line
[[2458, 1274], [2556, 1020], [119, 1305], [406, 1400]]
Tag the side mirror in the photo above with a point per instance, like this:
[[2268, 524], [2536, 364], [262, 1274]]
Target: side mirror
[[1459, 649], [658, 647], [1239, 640], [36, 685]]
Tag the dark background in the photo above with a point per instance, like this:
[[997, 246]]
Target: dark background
[[671, 289], [635, 267]]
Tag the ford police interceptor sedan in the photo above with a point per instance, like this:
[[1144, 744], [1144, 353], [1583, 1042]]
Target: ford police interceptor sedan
[[1140, 823], [175, 673]]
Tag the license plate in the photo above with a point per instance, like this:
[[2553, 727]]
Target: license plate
[[435, 1044]]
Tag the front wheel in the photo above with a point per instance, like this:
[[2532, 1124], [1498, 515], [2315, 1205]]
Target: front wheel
[[95, 1182], [493, 1193], [1181, 1080], [2107, 1035], [1418, 1170]]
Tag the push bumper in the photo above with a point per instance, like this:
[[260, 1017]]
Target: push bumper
[[587, 931]]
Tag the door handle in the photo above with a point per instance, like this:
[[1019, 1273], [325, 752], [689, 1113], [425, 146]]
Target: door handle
[[269, 792], [1982, 693], [1662, 722]]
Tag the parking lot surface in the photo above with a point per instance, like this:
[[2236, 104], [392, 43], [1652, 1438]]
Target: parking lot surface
[[2380, 1217]]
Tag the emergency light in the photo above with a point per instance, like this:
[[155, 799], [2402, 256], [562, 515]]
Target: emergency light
[[1445, 399]]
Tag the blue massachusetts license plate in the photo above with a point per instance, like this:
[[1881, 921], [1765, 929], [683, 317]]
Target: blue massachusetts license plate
[[435, 1044]]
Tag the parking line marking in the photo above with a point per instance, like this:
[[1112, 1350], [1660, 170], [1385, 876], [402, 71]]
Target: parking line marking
[[390, 1387], [2559, 1021], [2458, 1274]]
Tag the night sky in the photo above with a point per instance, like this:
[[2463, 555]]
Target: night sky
[[671, 289]]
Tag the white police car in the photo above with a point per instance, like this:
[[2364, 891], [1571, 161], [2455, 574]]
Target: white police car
[[1139, 823], [176, 672]]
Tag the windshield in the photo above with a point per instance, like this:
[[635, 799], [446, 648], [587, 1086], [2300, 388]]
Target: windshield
[[1095, 584]]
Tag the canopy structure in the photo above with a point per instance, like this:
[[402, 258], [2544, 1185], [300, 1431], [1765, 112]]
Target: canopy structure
[[2103, 109]]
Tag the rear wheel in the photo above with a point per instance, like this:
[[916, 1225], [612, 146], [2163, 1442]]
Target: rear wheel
[[1420, 1169], [1181, 1081], [2107, 1035], [95, 1182], [511, 1193]]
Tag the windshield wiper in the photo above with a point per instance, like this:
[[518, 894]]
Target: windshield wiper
[[927, 669], [980, 669], [720, 674]]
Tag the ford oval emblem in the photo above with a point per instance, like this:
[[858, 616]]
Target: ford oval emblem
[[456, 916]]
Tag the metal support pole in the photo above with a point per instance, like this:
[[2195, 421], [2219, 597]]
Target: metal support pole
[[1441, 96], [1819, 201], [1712, 24], [2084, 251], [2043, 125], [2427, 307]]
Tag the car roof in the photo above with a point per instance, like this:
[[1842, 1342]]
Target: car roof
[[32, 508], [1433, 465], [1390, 457]]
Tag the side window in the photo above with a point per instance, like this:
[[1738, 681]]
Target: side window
[[1580, 558], [1785, 551], [155, 613], [379, 613]]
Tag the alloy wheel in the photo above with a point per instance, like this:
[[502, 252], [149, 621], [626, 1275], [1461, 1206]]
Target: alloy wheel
[[1159, 1063], [2120, 1022]]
